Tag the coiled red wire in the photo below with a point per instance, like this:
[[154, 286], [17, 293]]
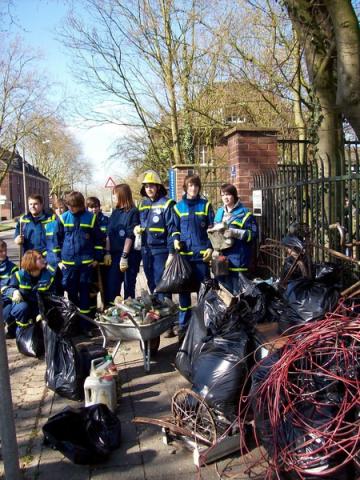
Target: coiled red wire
[[326, 351]]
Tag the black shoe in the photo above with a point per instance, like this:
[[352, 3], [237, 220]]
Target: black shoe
[[176, 330]]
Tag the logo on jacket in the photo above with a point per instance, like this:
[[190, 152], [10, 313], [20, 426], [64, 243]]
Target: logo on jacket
[[122, 233], [156, 219]]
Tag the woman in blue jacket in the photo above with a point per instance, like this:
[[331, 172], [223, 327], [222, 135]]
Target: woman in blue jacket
[[120, 256], [239, 226], [193, 215], [32, 278]]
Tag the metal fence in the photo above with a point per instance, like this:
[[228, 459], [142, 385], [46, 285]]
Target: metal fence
[[329, 205]]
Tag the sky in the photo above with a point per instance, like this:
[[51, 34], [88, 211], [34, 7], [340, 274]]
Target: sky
[[36, 22]]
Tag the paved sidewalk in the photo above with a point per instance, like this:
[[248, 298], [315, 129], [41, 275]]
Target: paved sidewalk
[[142, 455]]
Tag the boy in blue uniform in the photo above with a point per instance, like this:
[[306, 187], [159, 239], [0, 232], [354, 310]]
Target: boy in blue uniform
[[30, 227], [193, 215], [242, 230], [81, 248], [32, 278], [93, 206], [7, 268]]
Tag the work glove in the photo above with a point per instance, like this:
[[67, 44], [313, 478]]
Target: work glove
[[177, 245], [169, 259], [215, 254], [124, 264], [38, 317], [17, 297], [238, 233], [61, 266], [207, 255], [138, 230], [107, 260], [19, 240]]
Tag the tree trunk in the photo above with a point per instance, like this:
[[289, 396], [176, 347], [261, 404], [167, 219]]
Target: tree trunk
[[347, 35]]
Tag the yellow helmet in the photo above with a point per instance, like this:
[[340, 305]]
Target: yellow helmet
[[150, 176]]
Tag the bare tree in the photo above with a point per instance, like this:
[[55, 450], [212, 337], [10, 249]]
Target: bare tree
[[147, 59], [23, 91], [55, 153]]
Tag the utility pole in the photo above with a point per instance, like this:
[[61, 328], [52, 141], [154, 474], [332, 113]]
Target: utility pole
[[9, 446]]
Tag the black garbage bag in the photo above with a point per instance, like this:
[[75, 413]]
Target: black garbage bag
[[203, 318], [177, 277], [86, 435], [60, 313], [327, 273], [307, 300], [64, 371], [220, 372], [30, 340]]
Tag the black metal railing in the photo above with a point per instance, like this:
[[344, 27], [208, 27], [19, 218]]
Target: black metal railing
[[311, 192]]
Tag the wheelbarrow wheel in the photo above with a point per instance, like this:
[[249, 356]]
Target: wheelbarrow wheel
[[154, 346], [190, 411]]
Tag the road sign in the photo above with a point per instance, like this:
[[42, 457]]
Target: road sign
[[172, 183], [110, 183]]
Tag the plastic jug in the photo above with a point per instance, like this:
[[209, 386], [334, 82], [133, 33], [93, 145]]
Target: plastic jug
[[113, 371], [100, 390], [99, 366]]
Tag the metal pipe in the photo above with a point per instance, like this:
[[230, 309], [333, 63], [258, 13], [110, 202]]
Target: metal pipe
[[9, 446]]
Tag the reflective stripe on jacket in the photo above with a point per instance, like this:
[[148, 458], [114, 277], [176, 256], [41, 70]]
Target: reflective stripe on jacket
[[156, 219], [192, 218]]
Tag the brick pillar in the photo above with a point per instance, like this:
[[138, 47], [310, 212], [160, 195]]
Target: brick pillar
[[181, 171], [250, 150]]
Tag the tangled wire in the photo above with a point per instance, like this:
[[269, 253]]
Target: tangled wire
[[305, 400]]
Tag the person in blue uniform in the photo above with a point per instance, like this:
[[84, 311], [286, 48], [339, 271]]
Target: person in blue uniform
[[156, 211], [101, 271], [121, 257], [32, 278], [52, 248], [81, 248], [241, 227], [7, 268], [193, 215], [30, 227]]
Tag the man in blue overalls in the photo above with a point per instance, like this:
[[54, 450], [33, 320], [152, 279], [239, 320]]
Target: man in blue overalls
[[81, 243], [30, 228], [156, 211]]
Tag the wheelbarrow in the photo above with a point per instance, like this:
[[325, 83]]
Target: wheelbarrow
[[148, 335]]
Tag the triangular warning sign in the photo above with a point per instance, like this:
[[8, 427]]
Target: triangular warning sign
[[110, 183]]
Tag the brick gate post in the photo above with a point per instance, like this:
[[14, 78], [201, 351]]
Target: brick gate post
[[250, 150]]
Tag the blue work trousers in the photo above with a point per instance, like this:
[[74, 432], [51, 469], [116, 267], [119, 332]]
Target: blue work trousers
[[201, 272], [76, 281], [231, 282], [115, 278], [21, 313], [154, 266]]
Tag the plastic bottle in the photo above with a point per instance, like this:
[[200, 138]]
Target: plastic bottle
[[114, 372], [99, 366], [137, 242], [100, 390]]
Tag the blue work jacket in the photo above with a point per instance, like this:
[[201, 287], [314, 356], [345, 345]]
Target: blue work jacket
[[79, 238], [7, 268], [103, 222], [239, 254], [192, 218], [29, 285], [52, 248], [156, 217], [120, 227], [33, 229]]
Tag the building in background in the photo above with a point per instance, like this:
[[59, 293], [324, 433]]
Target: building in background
[[12, 188]]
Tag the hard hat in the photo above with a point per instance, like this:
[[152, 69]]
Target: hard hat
[[150, 176]]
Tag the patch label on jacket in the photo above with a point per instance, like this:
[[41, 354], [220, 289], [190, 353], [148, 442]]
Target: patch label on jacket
[[156, 219], [122, 233], [157, 211]]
